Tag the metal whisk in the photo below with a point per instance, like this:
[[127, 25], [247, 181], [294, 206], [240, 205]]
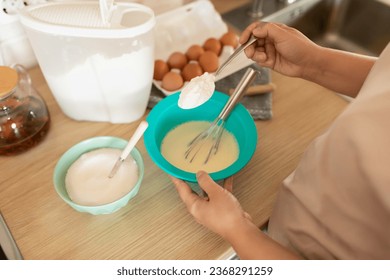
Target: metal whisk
[[214, 132]]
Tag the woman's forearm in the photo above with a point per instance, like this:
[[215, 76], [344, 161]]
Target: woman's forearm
[[251, 243], [339, 71]]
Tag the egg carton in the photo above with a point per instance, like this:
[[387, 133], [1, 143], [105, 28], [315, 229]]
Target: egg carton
[[225, 53], [187, 25], [178, 29]]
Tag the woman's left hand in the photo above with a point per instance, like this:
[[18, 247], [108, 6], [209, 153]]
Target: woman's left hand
[[220, 211]]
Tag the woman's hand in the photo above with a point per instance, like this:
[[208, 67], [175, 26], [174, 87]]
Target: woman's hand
[[281, 48], [220, 211]]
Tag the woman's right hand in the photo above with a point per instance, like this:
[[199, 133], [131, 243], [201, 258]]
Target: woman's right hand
[[281, 48], [289, 52]]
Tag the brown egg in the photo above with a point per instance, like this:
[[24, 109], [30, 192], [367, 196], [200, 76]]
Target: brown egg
[[160, 69], [191, 70], [209, 61], [229, 39], [172, 81], [177, 60], [214, 45], [194, 52]]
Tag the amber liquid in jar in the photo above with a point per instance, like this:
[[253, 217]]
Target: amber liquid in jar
[[24, 118], [23, 124]]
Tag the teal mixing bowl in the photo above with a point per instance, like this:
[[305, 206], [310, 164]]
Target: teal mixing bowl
[[166, 115]]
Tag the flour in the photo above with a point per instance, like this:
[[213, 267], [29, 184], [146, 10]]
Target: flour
[[197, 91], [101, 88]]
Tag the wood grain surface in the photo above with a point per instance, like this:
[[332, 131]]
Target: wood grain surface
[[155, 224]]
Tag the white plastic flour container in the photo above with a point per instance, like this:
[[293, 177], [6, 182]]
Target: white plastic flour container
[[96, 71]]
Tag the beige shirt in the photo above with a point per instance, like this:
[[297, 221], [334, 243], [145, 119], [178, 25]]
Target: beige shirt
[[336, 204]]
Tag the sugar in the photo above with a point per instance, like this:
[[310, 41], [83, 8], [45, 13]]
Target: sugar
[[87, 181]]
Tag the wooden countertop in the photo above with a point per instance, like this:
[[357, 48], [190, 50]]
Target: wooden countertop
[[155, 224]]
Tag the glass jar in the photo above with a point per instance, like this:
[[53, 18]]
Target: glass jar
[[24, 118]]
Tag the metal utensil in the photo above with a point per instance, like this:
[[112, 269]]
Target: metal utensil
[[213, 134], [130, 145], [8, 244], [223, 66]]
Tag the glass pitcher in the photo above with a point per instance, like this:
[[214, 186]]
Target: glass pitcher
[[24, 118]]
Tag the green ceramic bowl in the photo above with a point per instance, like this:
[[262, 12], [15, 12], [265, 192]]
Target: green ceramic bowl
[[166, 115], [70, 156]]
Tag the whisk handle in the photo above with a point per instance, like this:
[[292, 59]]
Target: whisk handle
[[238, 93]]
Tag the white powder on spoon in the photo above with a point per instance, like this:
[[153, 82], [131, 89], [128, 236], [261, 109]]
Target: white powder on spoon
[[197, 91]]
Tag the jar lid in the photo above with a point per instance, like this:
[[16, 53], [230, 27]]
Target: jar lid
[[83, 19], [8, 80]]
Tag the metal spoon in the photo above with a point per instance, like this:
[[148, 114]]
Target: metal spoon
[[129, 147]]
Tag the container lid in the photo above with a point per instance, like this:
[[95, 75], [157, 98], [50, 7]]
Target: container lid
[[84, 19], [8, 80]]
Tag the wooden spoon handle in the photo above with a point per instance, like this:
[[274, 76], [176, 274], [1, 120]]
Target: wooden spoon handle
[[258, 89]]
